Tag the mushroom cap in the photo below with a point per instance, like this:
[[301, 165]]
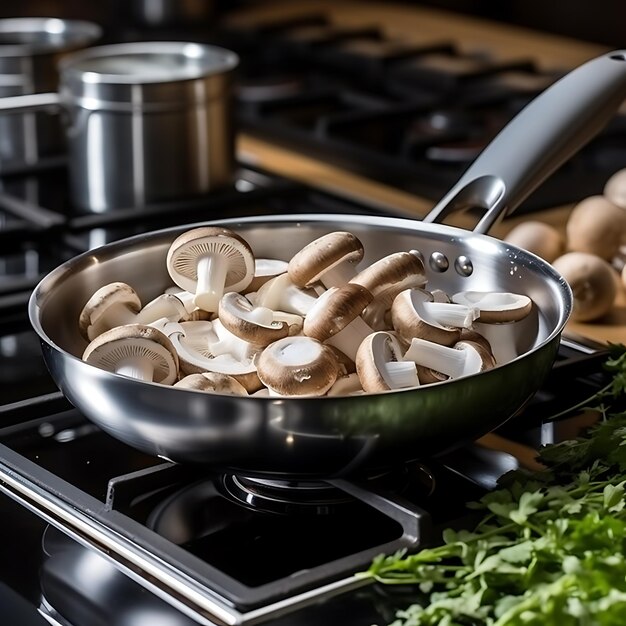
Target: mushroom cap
[[114, 346], [186, 249], [592, 281], [212, 382], [322, 254], [615, 188], [539, 238], [596, 226], [334, 310], [298, 366], [374, 353], [248, 322], [392, 274], [264, 270], [107, 296], [410, 319], [496, 306]]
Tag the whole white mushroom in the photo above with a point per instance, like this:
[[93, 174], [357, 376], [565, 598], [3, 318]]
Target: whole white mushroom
[[539, 238], [592, 281]]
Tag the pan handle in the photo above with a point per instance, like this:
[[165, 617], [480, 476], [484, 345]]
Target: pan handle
[[48, 102], [549, 130]]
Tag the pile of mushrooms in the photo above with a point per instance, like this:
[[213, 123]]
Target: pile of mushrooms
[[316, 325], [591, 253]]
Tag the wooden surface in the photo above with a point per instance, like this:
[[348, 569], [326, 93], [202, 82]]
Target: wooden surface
[[425, 25]]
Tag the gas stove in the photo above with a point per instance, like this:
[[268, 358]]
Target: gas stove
[[104, 534]]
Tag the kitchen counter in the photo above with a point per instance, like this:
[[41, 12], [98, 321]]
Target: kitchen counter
[[420, 25]]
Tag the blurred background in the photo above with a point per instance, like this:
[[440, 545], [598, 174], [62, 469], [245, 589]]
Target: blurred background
[[600, 22]]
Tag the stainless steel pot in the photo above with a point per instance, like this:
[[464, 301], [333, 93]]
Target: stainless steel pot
[[30, 49], [146, 121], [325, 436]]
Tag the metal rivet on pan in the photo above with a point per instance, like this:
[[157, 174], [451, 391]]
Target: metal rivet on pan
[[439, 262], [463, 266]]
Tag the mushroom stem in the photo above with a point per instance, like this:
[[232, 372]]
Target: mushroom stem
[[212, 270], [117, 315], [448, 314], [136, 367], [402, 374], [349, 338], [449, 361]]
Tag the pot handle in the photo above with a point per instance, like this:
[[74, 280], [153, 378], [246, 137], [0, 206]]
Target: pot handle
[[49, 102], [549, 130]]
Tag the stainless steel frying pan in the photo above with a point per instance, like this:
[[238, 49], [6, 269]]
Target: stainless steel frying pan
[[336, 435]]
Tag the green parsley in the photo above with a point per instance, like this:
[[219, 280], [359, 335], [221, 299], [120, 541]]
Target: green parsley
[[550, 549]]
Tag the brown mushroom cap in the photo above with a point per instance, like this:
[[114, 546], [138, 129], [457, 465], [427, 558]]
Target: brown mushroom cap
[[392, 274], [188, 249], [324, 253], [212, 382], [592, 281], [410, 320], [373, 357], [539, 238], [103, 300], [134, 341], [297, 366], [496, 306], [248, 322], [615, 188], [596, 226], [334, 310]]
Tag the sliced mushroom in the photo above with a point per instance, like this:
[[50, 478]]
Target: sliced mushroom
[[348, 385], [212, 382], [385, 279], [280, 294], [115, 304], [464, 359], [335, 318], [330, 259], [380, 366], [297, 366], [411, 318], [255, 325], [208, 261], [264, 270], [496, 306], [137, 351]]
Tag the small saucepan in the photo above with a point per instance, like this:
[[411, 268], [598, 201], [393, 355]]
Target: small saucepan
[[146, 121], [329, 436]]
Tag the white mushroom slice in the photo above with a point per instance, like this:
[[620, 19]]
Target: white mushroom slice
[[255, 325], [451, 314], [380, 366], [297, 366], [294, 321], [335, 318], [186, 297], [330, 259], [115, 304], [411, 318], [212, 382], [464, 359], [349, 385], [495, 306], [385, 279], [136, 351], [209, 261], [222, 342], [164, 306], [264, 270], [280, 294]]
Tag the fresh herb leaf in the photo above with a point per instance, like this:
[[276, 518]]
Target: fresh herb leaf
[[550, 548]]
